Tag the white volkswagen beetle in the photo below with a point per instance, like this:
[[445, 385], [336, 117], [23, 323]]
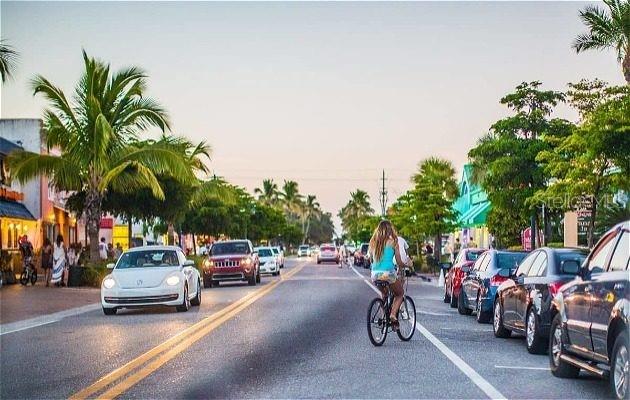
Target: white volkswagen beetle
[[150, 275]]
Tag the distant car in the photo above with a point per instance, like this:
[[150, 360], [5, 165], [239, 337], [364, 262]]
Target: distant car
[[268, 261], [480, 286], [591, 316], [523, 302], [350, 249], [328, 253], [453, 279], [304, 251], [230, 261], [361, 256], [279, 255], [151, 275]]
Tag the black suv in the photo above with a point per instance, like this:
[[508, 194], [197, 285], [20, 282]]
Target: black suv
[[590, 325]]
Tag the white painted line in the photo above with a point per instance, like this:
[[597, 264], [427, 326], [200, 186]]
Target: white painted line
[[518, 367], [46, 319], [434, 313], [477, 379]]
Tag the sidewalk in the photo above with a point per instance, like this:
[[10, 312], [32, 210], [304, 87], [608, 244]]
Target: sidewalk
[[19, 302]]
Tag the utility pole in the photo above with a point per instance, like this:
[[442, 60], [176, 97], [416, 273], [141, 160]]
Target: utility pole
[[383, 196]]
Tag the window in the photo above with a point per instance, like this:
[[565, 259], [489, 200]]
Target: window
[[620, 258], [600, 253], [479, 262], [524, 267], [509, 260], [148, 259], [486, 261], [224, 248], [473, 255], [539, 266], [265, 252]]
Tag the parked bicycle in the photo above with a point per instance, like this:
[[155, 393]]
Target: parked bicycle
[[29, 272], [378, 321]]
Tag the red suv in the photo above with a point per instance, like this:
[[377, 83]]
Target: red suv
[[456, 274], [229, 261]]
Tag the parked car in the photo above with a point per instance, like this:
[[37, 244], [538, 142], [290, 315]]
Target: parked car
[[328, 253], [304, 251], [151, 275], [361, 256], [453, 278], [591, 315], [479, 287], [279, 255], [350, 249], [268, 261], [523, 302], [229, 261]]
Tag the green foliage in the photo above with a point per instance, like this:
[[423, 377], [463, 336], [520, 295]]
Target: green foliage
[[8, 60], [357, 217], [610, 215]]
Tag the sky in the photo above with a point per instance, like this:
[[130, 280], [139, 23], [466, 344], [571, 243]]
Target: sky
[[327, 94]]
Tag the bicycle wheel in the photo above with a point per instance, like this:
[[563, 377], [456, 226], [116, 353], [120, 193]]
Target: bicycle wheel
[[24, 278], [406, 319], [377, 322], [33, 277]]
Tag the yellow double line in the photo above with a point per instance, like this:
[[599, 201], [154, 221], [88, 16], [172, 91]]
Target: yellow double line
[[162, 353]]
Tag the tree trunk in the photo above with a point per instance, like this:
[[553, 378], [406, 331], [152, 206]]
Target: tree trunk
[[626, 67], [170, 234], [93, 202], [437, 249], [194, 244]]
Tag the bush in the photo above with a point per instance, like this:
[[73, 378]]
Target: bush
[[555, 245], [93, 273], [515, 248]]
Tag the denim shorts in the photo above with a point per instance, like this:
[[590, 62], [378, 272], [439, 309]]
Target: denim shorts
[[385, 276]]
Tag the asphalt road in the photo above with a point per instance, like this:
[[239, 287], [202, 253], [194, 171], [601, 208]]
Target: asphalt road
[[301, 335]]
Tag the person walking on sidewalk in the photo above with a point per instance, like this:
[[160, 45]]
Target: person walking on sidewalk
[[47, 260], [102, 250], [59, 261]]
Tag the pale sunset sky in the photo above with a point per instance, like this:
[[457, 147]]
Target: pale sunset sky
[[326, 94]]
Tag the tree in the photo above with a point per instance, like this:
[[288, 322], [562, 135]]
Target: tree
[[322, 228], [504, 160], [435, 190], [95, 134], [8, 59], [269, 193], [291, 200], [607, 30], [310, 210], [356, 216]]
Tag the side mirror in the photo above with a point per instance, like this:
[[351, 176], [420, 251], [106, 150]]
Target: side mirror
[[446, 265], [505, 273], [189, 263], [111, 266], [571, 267]]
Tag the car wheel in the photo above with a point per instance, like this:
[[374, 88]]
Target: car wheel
[[453, 299], [251, 281], [109, 311], [185, 306], [208, 283], [535, 343], [447, 298], [461, 304], [497, 326], [258, 277], [559, 368], [197, 300], [483, 317], [620, 367]]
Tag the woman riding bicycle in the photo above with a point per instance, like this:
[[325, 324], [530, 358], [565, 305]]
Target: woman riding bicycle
[[384, 250]]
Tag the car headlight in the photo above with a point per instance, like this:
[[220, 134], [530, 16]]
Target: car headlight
[[109, 282], [208, 263], [246, 261], [172, 280]]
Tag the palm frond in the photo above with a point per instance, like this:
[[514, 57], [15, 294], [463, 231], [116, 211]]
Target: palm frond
[[131, 176], [62, 172], [160, 158], [8, 60]]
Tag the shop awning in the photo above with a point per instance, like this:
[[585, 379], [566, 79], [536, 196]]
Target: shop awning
[[476, 215], [12, 209], [7, 147]]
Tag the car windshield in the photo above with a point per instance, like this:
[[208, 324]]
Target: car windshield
[[303, 247], [577, 256], [509, 260], [473, 255], [148, 259], [275, 251], [220, 249], [265, 252], [364, 248]]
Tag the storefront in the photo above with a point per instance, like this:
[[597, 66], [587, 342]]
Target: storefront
[[15, 222], [472, 206]]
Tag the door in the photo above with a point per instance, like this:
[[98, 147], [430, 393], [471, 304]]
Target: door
[[523, 285], [509, 298], [608, 288], [578, 297], [469, 285]]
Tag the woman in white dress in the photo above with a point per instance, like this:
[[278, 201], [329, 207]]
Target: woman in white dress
[[59, 261]]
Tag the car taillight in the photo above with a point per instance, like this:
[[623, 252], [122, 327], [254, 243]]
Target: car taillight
[[497, 279], [554, 288]]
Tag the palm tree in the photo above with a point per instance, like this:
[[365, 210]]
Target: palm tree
[[8, 59], [310, 209], [292, 199], [268, 194], [96, 134], [607, 30], [354, 213]]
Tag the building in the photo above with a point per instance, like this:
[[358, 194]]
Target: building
[[472, 206]]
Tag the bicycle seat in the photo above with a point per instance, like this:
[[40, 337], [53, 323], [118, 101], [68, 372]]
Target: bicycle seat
[[381, 283]]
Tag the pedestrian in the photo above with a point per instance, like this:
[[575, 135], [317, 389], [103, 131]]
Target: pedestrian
[[110, 252], [59, 261], [403, 246], [72, 256], [471, 243], [102, 250], [457, 246], [47, 260], [118, 251]]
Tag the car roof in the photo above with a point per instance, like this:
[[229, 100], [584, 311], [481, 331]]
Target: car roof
[[232, 241], [153, 247], [263, 247]]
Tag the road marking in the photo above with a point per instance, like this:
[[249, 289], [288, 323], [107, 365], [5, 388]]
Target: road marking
[[434, 313], [477, 379], [46, 319], [518, 367], [165, 351]]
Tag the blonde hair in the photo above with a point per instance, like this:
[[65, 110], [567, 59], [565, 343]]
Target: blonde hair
[[382, 234]]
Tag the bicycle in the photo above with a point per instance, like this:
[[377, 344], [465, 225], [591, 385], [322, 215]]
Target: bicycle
[[29, 274], [378, 321]]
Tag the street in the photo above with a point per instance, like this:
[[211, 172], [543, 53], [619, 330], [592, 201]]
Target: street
[[300, 335]]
